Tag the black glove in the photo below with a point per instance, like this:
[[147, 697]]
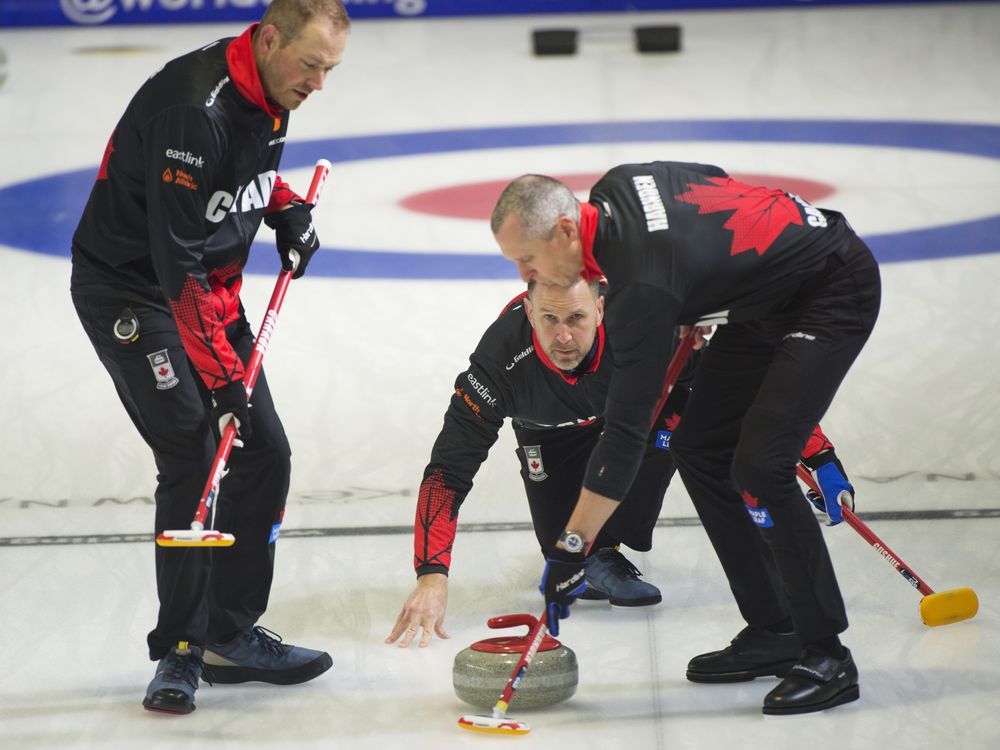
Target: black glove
[[562, 582], [231, 399], [294, 230]]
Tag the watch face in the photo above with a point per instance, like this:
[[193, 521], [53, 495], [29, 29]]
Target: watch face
[[572, 541]]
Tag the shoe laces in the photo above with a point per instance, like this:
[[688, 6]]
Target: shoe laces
[[618, 563], [182, 667], [269, 640]]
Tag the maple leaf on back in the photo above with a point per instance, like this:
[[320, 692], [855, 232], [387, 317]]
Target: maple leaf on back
[[760, 214]]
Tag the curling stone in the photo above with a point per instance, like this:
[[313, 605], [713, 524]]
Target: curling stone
[[481, 671]]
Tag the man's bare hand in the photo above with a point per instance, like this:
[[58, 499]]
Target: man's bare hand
[[424, 609]]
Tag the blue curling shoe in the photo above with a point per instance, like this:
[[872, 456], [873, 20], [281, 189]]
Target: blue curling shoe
[[259, 655], [173, 687], [611, 576]]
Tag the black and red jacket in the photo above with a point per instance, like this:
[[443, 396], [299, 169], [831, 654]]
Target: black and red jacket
[[686, 244], [510, 376], [187, 176]]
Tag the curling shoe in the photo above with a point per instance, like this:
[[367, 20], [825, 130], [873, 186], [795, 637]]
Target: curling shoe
[[817, 682], [754, 652], [611, 576], [259, 655], [176, 680]]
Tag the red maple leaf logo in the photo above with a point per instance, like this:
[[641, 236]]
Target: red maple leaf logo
[[760, 214]]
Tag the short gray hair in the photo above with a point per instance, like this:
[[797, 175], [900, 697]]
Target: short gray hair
[[537, 201]]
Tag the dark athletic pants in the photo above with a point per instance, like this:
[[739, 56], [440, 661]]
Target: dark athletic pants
[[206, 595], [564, 453], [759, 390]]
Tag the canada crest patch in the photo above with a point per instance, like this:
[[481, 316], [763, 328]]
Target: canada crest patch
[[163, 370], [533, 459]]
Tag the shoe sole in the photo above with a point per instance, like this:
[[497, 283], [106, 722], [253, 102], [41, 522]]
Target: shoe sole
[[214, 673], [848, 695], [774, 670], [643, 602], [160, 707]]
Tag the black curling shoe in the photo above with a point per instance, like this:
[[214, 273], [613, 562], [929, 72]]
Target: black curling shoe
[[754, 652], [815, 683]]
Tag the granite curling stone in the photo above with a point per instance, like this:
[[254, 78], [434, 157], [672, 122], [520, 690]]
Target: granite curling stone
[[481, 671]]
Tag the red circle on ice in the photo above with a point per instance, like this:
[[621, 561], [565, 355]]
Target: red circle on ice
[[475, 200]]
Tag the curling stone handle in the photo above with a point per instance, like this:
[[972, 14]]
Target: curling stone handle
[[512, 621]]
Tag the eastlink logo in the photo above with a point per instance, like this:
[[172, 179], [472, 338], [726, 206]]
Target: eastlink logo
[[482, 389], [93, 12], [185, 156]]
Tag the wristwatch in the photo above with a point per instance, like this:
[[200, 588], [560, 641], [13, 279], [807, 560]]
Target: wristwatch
[[573, 541]]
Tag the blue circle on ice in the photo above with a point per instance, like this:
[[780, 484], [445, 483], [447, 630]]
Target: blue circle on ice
[[40, 215]]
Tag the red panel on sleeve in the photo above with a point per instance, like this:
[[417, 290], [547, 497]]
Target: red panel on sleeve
[[102, 172], [204, 336], [281, 195], [817, 443], [434, 530]]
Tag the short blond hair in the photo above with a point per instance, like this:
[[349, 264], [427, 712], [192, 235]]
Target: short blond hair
[[291, 16]]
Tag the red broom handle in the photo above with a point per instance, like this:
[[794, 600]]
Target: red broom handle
[[255, 362], [869, 536]]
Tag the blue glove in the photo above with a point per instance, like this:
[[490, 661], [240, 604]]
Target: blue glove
[[832, 480], [562, 582]]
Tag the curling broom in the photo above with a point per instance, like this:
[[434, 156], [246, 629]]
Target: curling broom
[[198, 535]]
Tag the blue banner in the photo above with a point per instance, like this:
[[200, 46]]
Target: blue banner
[[107, 12]]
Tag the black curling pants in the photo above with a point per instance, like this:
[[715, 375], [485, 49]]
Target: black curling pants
[[553, 462], [206, 595], [759, 390]]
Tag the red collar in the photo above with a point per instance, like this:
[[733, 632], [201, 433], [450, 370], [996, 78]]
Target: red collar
[[243, 71], [595, 362], [588, 231]]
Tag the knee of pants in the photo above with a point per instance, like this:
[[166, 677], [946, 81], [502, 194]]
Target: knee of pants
[[267, 448], [178, 491], [271, 463], [277, 451], [759, 468], [693, 457], [181, 467]]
